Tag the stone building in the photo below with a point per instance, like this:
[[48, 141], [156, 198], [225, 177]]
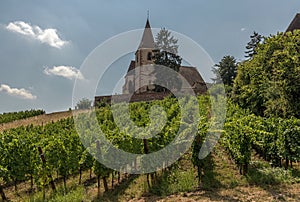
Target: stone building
[[143, 58]]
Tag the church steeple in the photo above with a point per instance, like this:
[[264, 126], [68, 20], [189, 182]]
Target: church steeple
[[144, 53], [147, 39]]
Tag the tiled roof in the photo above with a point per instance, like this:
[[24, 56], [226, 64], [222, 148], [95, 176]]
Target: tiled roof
[[295, 24], [131, 66], [191, 74]]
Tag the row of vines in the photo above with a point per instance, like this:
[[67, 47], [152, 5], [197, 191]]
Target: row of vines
[[277, 140], [13, 116], [39, 154]]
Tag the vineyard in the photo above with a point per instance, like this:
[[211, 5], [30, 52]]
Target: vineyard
[[276, 140], [13, 116], [40, 154]]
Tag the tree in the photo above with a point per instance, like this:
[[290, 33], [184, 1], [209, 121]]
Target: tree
[[84, 104], [226, 71], [166, 55], [252, 44], [269, 83], [164, 41], [169, 79]]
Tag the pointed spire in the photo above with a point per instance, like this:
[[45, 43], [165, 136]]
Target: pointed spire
[[147, 25], [147, 39], [147, 14]]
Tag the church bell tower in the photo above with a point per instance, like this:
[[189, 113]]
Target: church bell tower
[[144, 57], [144, 54], [139, 80]]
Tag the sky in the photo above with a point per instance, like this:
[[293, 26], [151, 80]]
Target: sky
[[43, 44]]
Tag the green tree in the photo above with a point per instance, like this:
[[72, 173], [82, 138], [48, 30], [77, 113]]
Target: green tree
[[164, 41], [166, 55], [169, 79], [252, 44], [84, 104], [225, 71], [269, 83]]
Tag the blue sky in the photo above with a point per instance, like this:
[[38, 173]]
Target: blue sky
[[44, 43]]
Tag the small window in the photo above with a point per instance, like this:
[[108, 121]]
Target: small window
[[130, 87], [149, 56]]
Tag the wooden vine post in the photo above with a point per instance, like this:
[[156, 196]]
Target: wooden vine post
[[42, 155], [4, 198], [105, 184], [146, 151]]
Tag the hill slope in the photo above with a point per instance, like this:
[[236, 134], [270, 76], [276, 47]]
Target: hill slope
[[40, 120]]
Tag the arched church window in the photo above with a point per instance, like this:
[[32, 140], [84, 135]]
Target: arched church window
[[149, 56], [130, 87]]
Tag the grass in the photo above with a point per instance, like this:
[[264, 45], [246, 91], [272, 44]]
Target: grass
[[75, 195], [175, 181], [132, 187], [223, 173], [73, 192], [261, 173]]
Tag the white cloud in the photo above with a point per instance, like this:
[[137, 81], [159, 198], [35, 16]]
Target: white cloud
[[243, 29], [21, 93], [48, 36], [64, 71]]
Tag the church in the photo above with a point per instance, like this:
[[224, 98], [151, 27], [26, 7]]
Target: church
[[136, 90], [144, 57]]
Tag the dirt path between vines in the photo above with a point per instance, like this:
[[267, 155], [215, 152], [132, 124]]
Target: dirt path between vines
[[240, 193]]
